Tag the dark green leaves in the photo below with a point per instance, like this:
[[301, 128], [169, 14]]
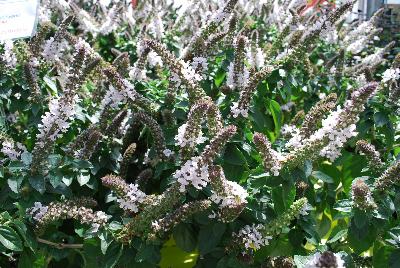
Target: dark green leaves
[[209, 236], [10, 238], [184, 236]]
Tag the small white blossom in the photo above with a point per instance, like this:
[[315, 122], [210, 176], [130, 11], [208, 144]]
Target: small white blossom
[[37, 211], [168, 152], [181, 141], [137, 73], [252, 238], [8, 56], [282, 73], [305, 209], [156, 27], [391, 74], [11, 150], [154, 59], [133, 198], [236, 194], [315, 261], [288, 106], [236, 111], [191, 173]]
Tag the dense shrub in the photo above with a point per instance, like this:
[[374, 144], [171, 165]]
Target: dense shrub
[[248, 134]]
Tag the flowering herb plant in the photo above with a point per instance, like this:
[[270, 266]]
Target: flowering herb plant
[[244, 133]]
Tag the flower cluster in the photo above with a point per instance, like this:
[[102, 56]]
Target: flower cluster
[[374, 160], [388, 178], [325, 260], [68, 209], [271, 158], [132, 199], [361, 195], [390, 75], [192, 173], [8, 56], [238, 74], [235, 194], [191, 141], [12, 150], [252, 237]]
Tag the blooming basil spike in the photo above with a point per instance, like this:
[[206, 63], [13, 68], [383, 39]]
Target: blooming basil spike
[[388, 178], [77, 209], [372, 155]]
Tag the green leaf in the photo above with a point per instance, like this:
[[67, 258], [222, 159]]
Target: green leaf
[[50, 83], [209, 236], [344, 205], [380, 255], [184, 236], [113, 254], [361, 239], [10, 239], [323, 225], [234, 156], [394, 259], [219, 77], [148, 253], [322, 176], [16, 166], [360, 218], [38, 183], [26, 158], [276, 115], [337, 236], [15, 183], [301, 261]]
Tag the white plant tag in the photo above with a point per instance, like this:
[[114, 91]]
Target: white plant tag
[[18, 18]]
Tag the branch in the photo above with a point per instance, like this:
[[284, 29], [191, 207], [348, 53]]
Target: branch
[[59, 245]]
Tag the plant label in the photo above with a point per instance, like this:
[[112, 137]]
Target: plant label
[[18, 18]]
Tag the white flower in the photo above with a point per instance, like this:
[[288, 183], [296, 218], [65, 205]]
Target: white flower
[[188, 72], [154, 59], [17, 95], [181, 141], [133, 198], [199, 62], [110, 22], [305, 209], [53, 50], [175, 79], [242, 78], [236, 111], [168, 152], [191, 173], [37, 211], [55, 121], [315, 261], [8, 56], [282, 73], [137, 73], [101, 215], [391, 74], [255, 57], [236, 195], [155, 225], [322, 95], [156, 27], [252, 237], [288, 106], [11, 150], [289, 130]]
